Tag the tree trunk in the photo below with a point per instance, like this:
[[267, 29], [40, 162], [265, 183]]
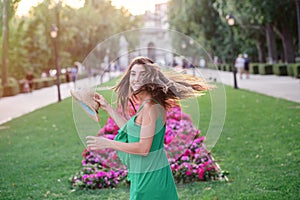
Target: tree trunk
[[261, 51], [298, 22], [272, 50], [287, 43], [5, 47]]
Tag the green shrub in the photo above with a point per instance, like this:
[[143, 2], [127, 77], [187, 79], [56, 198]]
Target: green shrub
[[21, 85], [265, 69], [1, 89], [254, 68], [224, 67], [11, 88], [294, 70], [62, 78], [280, 69], [82, 76], [228, 68], [38, 83], [48, 82], [212, 66]]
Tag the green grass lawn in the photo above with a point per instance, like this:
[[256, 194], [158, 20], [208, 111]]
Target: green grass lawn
[[259, 146]]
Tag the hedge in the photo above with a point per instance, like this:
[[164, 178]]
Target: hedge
[[265, 69], [48, 82], [280, 69], [294, 70], [1, 90], [254, 68], [12, 87]]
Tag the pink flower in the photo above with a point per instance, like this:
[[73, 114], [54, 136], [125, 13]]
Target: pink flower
[[83, 162], [89, 182], [85, 176], [100, 174], [187, 152], [199, 139], [201, 173], [168, 140], [188, 173], [184, 158], [174, 166], [110, 136]]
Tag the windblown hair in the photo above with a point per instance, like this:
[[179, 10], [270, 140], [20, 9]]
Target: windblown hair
[[165, 88]]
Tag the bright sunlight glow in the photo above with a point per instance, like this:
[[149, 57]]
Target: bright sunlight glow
[[136, 7], [25, 5]]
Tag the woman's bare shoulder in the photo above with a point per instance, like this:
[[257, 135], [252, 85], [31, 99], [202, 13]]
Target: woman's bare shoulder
[[154, 110]]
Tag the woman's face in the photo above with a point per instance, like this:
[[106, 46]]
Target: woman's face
[[136, 78]]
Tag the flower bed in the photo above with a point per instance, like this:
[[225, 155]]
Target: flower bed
[[188, 157]]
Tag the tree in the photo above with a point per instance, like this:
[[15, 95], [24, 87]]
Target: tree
[[275, 18], [199, 20], [8, 8], [5, 34], [31, 46]]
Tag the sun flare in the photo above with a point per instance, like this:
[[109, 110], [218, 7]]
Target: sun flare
[[135, 7]]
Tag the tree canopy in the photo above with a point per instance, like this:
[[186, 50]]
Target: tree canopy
[[262, 28], [79, 31]]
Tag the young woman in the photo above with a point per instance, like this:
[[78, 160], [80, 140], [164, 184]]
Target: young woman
[[140, 140]]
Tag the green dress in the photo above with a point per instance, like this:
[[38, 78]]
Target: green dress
[[150, 176]]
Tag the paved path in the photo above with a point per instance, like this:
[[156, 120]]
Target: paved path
[[18, 105], [284, 87], [277, 86]]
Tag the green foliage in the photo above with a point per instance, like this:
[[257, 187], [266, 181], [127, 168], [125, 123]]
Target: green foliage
[[294, 70], [32, 48], [251, 18], [280, 69], [1, 89], [199, 20], [265, 69], [11, 88], [205, 21]]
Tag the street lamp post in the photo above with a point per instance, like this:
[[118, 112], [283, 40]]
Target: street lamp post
[[231, 21], [54, 34]]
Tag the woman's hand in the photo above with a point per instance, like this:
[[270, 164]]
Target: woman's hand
[[117, 117], [97, 143], [102, 102]]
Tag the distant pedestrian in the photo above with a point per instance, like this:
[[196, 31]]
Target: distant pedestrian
[[202, 63], [246, 65], [67, 75], [239, 64], [29, 78], [74, 71], [44, 75]]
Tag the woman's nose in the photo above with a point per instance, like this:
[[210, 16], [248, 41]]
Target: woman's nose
[[137, 77]]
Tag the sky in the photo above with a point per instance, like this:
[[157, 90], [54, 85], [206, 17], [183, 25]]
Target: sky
[[136, 7]]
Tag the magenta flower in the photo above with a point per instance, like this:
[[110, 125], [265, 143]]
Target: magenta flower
[[188, 173]]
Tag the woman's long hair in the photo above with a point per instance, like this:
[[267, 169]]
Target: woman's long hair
[[166, 88]]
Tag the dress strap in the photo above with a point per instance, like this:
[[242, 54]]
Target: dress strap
[[141, 107]]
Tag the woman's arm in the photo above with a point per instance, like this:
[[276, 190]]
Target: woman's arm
[[142, 147], [117, 117]]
